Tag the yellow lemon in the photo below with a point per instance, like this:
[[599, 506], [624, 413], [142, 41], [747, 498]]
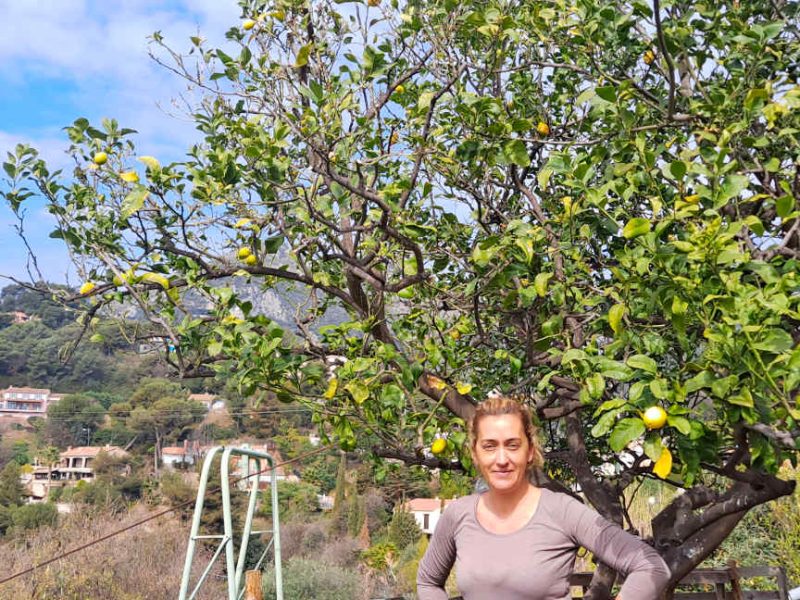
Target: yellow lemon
[[86, 288], [649, 57], [374, 2], [248, 24], [543, 128], [654, 417], [400, 89], [100, 158], [244, 253], [251, 260], [438, 446], [395, 137]]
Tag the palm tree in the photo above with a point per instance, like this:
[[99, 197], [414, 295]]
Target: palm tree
[[51, 455]]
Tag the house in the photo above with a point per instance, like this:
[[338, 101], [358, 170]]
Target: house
[[264, 478], [205, 399], [426, 511], [187, 454], [26, 402], [75, 464], [20, 317]]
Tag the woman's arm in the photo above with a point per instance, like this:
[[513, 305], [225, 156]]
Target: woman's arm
[[434, 568], [646, 572]]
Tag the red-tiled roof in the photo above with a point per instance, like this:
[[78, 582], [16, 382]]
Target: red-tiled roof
[[174, 450], [426, 504], [26, 390], [92, 451]]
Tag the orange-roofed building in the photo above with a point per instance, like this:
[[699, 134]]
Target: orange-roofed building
[[26, 401], [426, 511]]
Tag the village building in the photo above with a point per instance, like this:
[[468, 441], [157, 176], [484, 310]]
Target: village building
[[426, 512], [181, 456], [26, 402], [264, 477], [75, 464]]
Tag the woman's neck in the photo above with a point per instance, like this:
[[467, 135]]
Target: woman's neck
[[504, 503]]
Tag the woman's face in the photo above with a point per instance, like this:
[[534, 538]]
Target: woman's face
[[502, 452]]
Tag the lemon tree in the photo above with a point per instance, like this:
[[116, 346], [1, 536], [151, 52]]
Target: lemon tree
[[592, 205]]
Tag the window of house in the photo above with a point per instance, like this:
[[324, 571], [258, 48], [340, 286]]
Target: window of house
[[426, 521]]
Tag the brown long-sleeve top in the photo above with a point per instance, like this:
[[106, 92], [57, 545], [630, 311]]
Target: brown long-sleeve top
[[534, 562]]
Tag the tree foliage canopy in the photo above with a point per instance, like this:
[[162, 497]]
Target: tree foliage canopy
[[590, 204]]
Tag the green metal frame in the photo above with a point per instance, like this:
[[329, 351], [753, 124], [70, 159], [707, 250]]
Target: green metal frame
[[233, 564]]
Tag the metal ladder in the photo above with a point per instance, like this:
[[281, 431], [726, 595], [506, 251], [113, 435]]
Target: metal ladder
[[234, 566]]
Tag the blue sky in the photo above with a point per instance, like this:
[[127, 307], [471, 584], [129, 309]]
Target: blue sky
[[64, 59]]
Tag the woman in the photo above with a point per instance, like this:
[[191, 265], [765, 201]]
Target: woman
[[517, 541]]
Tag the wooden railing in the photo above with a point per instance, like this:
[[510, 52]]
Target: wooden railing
[[725, 583]]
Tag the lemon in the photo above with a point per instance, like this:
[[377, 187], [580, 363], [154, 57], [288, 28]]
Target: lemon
[[438, 446], [251, 260], [248, 24], [87, 288], [654, 417], [244, 253], [649, 57], [400, 89], [100, 158], [543, 128]]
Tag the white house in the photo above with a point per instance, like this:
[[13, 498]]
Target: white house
[[187, 454], [426, 512]]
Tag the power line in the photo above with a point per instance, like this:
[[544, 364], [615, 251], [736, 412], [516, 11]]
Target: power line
[[155, 516], [124, 413]]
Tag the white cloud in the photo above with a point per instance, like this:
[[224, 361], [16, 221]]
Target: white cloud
[[97, 51]]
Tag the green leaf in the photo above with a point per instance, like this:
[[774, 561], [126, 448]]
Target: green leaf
[[302, 56], [625, 432], [358, 391], [653, 447], [134, 200], [425, 100], [540, 283], [273, 244], [703, 379], [642, 363], [732, 186], [607, 93], [636, 227], [615, 314], [596, 385], [516, 152], [214, 348], [608, 405], [743, 398], [659, 388], [722, 385], [678, 169], [775, 340], [604, 423], [613, 369], [784, 206], [680, 423]]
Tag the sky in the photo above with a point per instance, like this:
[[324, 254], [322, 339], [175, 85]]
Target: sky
[[64, 59]]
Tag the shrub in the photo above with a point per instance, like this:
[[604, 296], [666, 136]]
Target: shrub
[[33, 516], [305, 579], [342, 552], [403, 529]]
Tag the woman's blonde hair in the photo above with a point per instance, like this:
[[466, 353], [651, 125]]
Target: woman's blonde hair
[[506, 405]]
